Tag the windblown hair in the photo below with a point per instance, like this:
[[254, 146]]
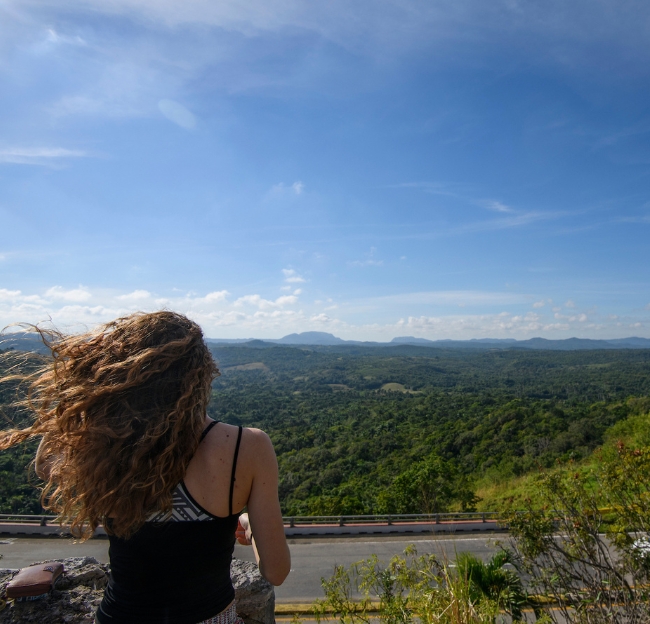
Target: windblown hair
[[121, 411]]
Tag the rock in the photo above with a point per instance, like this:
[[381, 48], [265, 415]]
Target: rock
[[76, 597], [80, 589], [254, 595]]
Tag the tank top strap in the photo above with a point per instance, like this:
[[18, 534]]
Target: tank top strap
[[207, 430], [234, 469]]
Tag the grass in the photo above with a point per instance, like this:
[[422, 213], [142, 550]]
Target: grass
[[516, 491]]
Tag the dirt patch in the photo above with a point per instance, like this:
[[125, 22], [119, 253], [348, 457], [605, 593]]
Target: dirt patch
[[339, 387], [398, 387]]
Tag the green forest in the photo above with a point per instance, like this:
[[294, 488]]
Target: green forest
[[404, 429]]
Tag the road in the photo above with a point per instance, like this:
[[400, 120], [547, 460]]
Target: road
[[311, 558]]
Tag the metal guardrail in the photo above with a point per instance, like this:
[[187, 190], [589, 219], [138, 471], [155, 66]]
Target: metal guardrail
[[41, 520], [292, 521], [389, 519]]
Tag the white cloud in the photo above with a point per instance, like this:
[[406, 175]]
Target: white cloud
[[9, 294], [60, 294], [265, 304], [217, 295], [539, 304], [647, 307], [177, 113], [286, 300], [298, 188], [320, 318], [43, 156], [569, 304], [292, 277], [255, 316], [136, 295], [298, 291]]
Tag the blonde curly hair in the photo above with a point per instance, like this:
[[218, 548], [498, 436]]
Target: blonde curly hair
[[121, 410]]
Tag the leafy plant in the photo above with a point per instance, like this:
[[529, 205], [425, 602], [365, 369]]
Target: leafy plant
[[493, 581], [582, 550], [422, 588]]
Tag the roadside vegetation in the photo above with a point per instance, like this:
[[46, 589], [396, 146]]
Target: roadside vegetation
[[580, 556]]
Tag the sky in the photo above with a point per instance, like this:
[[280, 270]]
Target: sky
[[432, 168]]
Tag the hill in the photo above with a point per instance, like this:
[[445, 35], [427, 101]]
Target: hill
[[356, 426]]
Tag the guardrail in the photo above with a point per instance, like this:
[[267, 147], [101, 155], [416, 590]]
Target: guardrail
[[390, 519], [41, 520], [292, 521]]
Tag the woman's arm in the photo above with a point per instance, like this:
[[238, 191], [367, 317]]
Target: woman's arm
[[265, 527]]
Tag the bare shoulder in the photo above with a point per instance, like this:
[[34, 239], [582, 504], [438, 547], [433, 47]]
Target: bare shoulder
[[257, 437], [257, 446]]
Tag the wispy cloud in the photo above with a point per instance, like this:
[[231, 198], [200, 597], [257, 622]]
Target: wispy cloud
[[370, 260], [177, 113], [44, 156], [282, 190], [497, 206]]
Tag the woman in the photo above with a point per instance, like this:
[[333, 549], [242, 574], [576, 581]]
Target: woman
[[127, 444]]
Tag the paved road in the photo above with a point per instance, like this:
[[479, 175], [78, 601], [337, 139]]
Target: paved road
[[311, 559]]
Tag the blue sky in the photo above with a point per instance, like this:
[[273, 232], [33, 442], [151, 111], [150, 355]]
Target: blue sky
[[373, 169]]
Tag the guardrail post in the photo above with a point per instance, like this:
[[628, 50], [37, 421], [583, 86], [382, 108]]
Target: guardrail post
[[437, 518], [390, 520], [43, 521], [483, 517], [341, 521], [291, 522]]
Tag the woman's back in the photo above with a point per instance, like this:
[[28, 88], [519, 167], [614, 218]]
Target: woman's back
[[121, 411], [176, 568]]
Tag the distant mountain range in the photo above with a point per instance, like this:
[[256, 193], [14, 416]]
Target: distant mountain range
[[30, 342], [569, 344]]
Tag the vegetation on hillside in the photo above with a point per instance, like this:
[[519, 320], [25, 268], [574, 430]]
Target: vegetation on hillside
[[468, 420], [403, 429]]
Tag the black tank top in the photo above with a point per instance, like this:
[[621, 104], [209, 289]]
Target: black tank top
[[176, 568]]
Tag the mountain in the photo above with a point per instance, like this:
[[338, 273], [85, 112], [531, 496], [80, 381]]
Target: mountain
[[31, 342], [311, 338], [633, 342], [23, 342], [413, 341], [568, 344]]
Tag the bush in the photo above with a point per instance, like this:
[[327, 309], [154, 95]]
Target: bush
[[422, 588], [585, 550]]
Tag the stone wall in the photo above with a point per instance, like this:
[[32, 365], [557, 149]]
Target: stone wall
[[79, 591]]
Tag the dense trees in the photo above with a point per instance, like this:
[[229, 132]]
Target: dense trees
[[400, 429], [347, 446]]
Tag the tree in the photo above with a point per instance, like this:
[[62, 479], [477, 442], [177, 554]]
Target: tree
[[582, 550]]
